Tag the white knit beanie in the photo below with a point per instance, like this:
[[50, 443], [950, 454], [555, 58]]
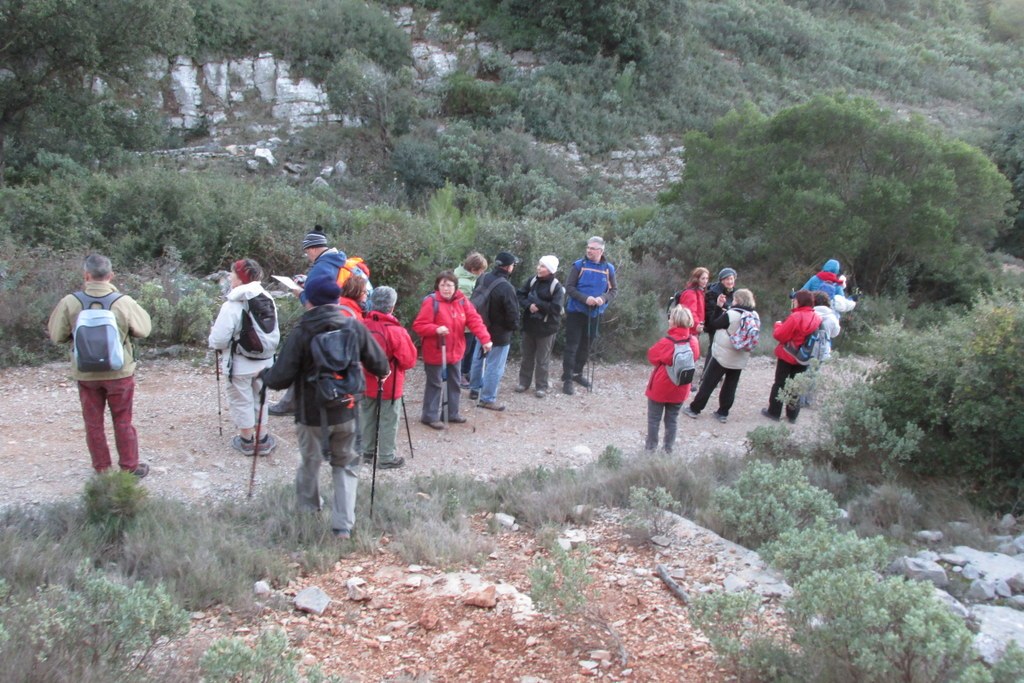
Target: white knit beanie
[[550, 262]]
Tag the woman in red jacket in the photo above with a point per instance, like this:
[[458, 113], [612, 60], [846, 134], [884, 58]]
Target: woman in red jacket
[[442, 320], [800, 323], [664, 397], [693, 298]]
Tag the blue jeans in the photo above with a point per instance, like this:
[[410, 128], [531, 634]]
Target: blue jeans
[[486, 376]]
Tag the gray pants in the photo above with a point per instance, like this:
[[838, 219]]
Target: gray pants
[[389, 414], [344, 469], [432, 392], [654, 413], [536, 356]]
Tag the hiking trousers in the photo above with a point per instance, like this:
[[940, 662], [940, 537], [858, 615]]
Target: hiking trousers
[[536, 358], [344, 472], [577, 344], [243, 392], [119, 394], [783, 372], [433, 388], [712, 375], [389, 414], [655, 411]]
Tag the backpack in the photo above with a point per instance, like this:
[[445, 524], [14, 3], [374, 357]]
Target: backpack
[[353, 266], [480, 295], [681, 370], [814, 347], [260, 335], [674, 300], [336, 371], [748, 333], [97, 341], [551, 292]]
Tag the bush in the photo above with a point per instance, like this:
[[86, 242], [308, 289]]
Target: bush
[[798, 553], [267, 660], [768, 500], [648, 507], [558, 583], [113, 501], [181, 307]]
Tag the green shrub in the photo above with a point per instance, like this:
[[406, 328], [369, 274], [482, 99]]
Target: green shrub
[[558, 583], [798, 553], [732, 623], [382, 100], [113, 502], [647, 508], [267, 660], [768, 500], [464, 96], [181, 307]]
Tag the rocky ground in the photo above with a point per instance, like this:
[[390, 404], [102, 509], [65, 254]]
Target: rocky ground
[[398, 622]]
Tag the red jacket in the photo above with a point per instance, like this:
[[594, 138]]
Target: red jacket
[[794, 329], [693, 299], [398, 347], [456, 314], [659, 387]]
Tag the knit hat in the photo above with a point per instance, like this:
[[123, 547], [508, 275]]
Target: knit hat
[[550, 262], [321, 290], [726, 272], [383, 299], [505, 259], [317, 238]]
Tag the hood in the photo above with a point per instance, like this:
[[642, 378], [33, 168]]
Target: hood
[[246, 291], [332, 257], [831, 266], [320, 318]]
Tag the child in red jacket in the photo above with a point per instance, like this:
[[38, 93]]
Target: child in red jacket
[[664, 397]]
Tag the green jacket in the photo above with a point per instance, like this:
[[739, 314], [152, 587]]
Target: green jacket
[[467, 281], [132, 321]]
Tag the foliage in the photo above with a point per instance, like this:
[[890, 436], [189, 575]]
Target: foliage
[[768, 500], [610, 458], [647, 510], [113, 501], [798, 553], [54, 49], [382, 100], [558, 582], [181, 309], [267, 660], [1008, 152], [1006, 19], [733, 625], [903, 205], [93, 629], [480, 101]]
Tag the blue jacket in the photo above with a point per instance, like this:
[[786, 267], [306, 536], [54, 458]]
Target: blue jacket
[[327, 263], [590, 279]]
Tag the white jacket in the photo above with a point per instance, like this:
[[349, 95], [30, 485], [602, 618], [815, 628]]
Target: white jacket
[[830, 323], [727, 355], [227, 326]]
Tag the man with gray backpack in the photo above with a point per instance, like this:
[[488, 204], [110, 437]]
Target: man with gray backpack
[[99, 321]]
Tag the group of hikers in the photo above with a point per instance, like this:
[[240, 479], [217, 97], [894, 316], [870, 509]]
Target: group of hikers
[[344, 363]]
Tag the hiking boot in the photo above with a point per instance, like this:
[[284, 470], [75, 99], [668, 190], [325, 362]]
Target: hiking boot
[[568, 388], [248, 446], [791, 420], [581, 380], [268, 442], [391, 464], [436, 424], [492, 405], [281, 409], [368, 458], [141, 470], [341, 534], [540, 393], [721, 418], [473, 394], [521, 389], [688, 412], [457, 420], [764, 411]]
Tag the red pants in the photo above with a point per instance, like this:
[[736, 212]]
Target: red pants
[[118, 394]]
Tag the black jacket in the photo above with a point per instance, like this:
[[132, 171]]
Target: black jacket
[[501, 310], [295, 362], [711, 308], [550, 305]]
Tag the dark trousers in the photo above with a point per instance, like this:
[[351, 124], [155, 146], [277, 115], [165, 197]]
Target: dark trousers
[[536, 356], [712, 375], [578, 327], [95, 395], [467, 358], [433, 388], [783, 371], [655, 411]]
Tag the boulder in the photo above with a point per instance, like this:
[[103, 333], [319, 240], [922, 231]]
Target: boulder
[[313, 600], [921, 570]]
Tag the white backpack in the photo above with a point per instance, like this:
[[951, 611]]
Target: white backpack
[[97, 341]]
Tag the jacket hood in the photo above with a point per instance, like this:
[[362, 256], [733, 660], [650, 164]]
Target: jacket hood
[[246, 291], [323, 317], [831, 266], [332, 257]]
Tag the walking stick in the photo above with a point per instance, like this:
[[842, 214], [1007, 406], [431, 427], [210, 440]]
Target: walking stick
[[593, 330], [408, 432], [220, 414], [256, 439], [376, 442], [444, 381]]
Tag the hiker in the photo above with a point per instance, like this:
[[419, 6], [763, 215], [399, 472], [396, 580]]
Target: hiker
[[664, 398], [590, 289], [801, 322], [295, 366], [542, 299], [443, 319], [473, 267], [353, 297], [729, 355], [718, 299], [495, 299], [827, 280], [829, 321], [249, 349], [692, 297], [106, 385], [401, 355], [323, 260]]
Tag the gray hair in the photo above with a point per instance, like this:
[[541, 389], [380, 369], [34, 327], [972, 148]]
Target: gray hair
[[680, 316], [599, 241], [744, 298], [97, 266], [383, 299]]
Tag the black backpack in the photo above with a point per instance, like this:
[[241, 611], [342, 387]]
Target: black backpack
[[480, 295], [259, 335], [337, 375]]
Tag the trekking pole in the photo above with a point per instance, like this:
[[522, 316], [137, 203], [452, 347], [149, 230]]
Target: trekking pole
[[256, 440], [408, 432], [444, 381], [593, 328], [220, 413], [376, 442]]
